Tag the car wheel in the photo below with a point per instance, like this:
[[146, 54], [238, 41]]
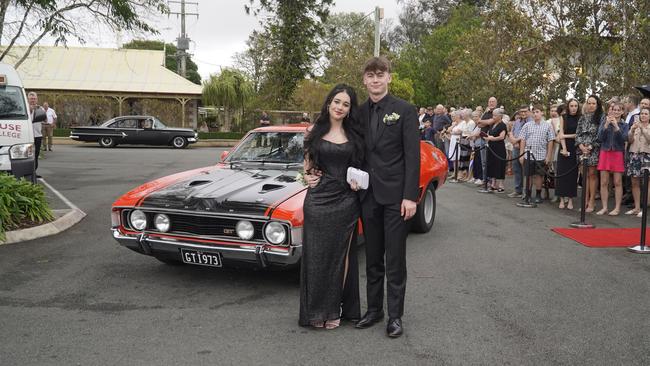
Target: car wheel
[[179, 142], [422, 222], [169, 260], [107, 142]]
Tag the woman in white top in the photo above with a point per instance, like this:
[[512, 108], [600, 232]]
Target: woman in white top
[[454, 136]]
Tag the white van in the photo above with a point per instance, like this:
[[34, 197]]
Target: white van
[[16, 132]]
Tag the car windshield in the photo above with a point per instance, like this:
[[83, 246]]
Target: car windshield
[[271, 147], [12, 103], [157, 124]]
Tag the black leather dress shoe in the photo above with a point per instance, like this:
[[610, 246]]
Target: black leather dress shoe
[[394, 328], [369, 319]]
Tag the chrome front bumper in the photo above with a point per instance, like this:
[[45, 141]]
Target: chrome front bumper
[[258, 255]]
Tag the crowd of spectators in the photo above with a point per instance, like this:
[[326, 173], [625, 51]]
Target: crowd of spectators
[[549, 145]]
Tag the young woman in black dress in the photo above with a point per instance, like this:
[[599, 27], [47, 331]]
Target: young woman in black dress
[[329, 278], [566, 185]]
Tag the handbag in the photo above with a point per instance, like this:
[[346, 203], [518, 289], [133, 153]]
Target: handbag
[[361, 177]]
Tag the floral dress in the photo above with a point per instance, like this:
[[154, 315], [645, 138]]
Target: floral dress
[[587, 134]]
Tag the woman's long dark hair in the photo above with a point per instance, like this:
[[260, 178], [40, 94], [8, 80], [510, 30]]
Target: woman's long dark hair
[[322, 125], [598, 113]]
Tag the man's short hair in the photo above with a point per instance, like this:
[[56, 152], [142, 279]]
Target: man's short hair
[[379, 63], [538, 106], [523, 107], [32, 93], [633, 98]]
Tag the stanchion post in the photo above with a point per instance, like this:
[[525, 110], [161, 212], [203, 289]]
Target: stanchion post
[[642, 248], [527, 202], [485, 189], [455, 155], [582, 224]]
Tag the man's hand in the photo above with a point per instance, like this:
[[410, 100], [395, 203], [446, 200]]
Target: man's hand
[[314, 178], [408, 209]]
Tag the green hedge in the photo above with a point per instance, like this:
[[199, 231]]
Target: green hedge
[[62, 132], [65, 132], [221, 135], [21, 202]]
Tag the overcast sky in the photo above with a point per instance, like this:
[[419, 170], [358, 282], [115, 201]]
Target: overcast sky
[[223, 27]]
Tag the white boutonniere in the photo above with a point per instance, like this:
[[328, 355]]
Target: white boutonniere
[[391, 119]]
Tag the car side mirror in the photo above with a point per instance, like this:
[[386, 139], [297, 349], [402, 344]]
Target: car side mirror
[[39, 116], [224, 155]]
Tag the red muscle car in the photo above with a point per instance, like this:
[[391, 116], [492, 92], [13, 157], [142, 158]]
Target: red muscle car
[[244, 210]]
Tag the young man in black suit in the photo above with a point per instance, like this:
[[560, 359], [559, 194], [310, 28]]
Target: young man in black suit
[[393, 163]]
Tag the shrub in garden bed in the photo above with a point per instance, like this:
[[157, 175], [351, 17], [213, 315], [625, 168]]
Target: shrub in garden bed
[[22, 204], [221, 135]]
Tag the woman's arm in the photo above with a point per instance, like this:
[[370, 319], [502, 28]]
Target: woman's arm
[[562, 137], [502, 136]]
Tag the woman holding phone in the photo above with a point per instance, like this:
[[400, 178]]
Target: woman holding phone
[[612, 135]]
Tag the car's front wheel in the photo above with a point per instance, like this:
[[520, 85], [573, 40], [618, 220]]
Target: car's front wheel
[[422, 222], [107, 142], [179, 142]]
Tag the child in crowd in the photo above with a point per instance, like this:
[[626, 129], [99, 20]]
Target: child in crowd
[[538, 138]]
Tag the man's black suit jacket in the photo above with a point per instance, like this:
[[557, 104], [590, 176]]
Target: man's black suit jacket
[[393, 155]]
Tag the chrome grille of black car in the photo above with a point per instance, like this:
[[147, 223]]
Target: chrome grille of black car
[[212, 226]]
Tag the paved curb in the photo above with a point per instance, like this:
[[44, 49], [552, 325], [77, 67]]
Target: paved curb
[[200, 143], [70, 218]]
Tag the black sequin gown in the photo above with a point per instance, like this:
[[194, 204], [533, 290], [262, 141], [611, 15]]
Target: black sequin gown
[[331, 212]]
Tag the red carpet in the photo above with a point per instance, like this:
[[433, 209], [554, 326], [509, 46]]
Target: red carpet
[[604, 238]]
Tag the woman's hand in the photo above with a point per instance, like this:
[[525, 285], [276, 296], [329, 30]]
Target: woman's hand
[[564, 152], [354, 185]]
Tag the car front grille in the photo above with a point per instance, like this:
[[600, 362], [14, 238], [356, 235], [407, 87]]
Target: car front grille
[[205, 226]]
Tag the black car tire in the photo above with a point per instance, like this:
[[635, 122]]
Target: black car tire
[[425, 215], [107, 142], [179, 142], [169, 260]]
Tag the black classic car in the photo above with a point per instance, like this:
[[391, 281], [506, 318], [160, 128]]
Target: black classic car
[[145, 130]]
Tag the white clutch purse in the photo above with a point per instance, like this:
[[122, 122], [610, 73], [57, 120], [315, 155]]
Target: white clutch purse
[[362, 178]]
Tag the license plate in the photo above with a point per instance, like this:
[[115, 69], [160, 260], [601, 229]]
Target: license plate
[[201, 258]]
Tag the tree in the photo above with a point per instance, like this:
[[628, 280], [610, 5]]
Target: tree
[[347, 44], [31, 20], [496, 60], [253, 61], [229, 89], [310, 95], [425, 64], [170, 57], [596, 44], [401, 88], [293, 30]]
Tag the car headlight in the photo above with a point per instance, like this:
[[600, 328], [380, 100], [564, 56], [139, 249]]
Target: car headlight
[[21, 151], [138, 220], [275, 233], [161, 222], [245, 230]]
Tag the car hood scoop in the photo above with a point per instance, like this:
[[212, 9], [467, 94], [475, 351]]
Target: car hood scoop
[[226, 190], [270, 187], [198, 183]]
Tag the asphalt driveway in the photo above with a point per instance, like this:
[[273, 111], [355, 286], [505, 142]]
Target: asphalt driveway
[[490, 285]]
